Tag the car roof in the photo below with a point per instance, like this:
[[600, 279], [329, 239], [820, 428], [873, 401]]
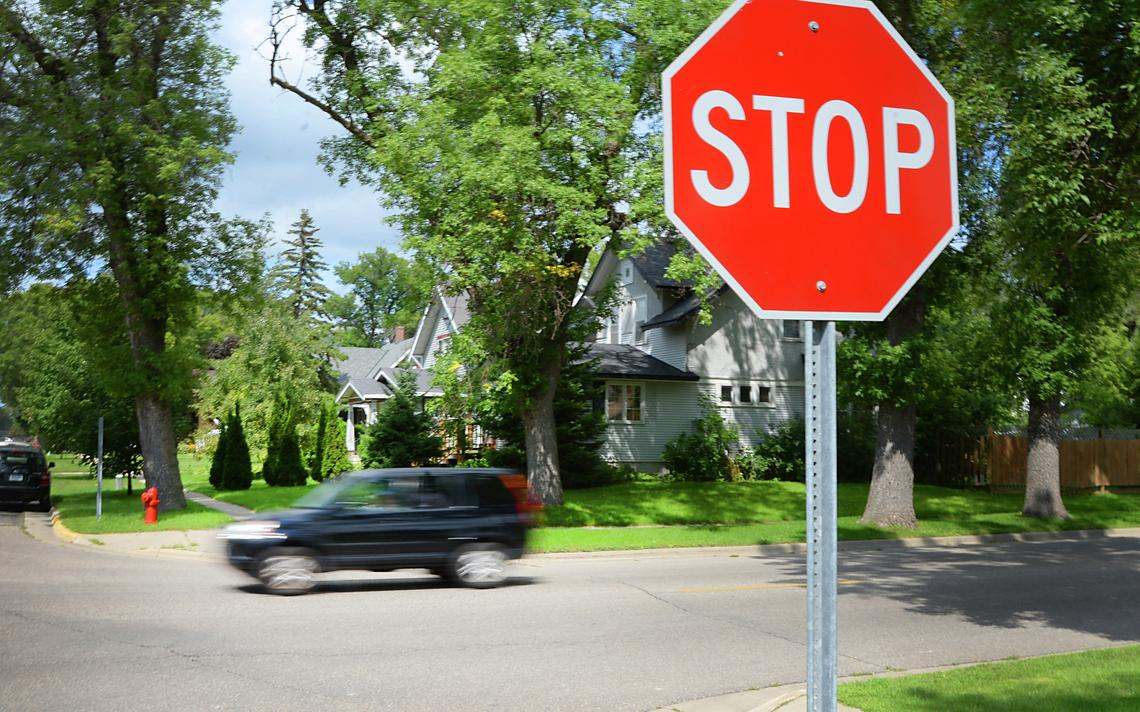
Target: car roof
[[20, 447], [435, 471]]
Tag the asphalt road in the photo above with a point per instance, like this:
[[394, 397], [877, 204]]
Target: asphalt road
[[87, 629]]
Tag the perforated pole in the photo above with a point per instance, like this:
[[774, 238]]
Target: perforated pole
[[820, 477]]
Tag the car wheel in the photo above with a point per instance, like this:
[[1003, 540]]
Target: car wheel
[[479, 565], [288, 571]]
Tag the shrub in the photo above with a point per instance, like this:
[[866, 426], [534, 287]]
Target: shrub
[[706, 454], [283, 466], [780, 455], [218, 463], [317, 456], [401, 436], [236, 470], [335, 456]]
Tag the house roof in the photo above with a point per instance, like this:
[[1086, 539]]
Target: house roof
[[678, 312], [653, 262], [424, 385], [358, 372], [625, 361]]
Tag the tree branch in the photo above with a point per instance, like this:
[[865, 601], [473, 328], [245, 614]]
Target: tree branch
[[276, 39], [48, 63]]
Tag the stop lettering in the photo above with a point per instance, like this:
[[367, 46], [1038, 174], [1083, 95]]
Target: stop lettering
[[810, 157]]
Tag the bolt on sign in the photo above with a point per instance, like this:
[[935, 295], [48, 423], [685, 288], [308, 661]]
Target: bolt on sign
[[810, 157]]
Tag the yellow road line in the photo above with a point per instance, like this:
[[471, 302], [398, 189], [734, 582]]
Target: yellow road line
[[841, 582]]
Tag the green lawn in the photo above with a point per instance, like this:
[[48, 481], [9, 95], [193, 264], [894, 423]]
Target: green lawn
[[1101, 680], [631, 516], [640, 515]]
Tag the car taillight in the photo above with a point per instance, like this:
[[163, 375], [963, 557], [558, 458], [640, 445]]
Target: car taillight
[[45, 478], [517, 486]]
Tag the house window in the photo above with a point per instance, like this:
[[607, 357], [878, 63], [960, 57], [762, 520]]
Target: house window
[[746, 394], [639, 320], [726, 394], [623, 402], [763, 394], [790, 329]]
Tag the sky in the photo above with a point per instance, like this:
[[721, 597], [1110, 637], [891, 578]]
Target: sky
[[275, 169]]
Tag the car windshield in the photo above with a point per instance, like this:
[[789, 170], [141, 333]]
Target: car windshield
[[325, 494]]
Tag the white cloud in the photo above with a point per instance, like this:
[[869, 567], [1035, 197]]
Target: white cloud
[[275, 169]]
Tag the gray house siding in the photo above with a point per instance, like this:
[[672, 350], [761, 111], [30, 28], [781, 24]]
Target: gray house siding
[[669, 343], [736, 350], [669, 408]]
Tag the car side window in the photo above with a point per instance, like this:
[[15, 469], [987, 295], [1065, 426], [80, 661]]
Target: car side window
[[395, 493], [443, 492]]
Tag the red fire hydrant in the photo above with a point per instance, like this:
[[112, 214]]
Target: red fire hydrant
[[150, 501]]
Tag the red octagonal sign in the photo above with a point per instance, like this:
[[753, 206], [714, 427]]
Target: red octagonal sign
[[809, 156]]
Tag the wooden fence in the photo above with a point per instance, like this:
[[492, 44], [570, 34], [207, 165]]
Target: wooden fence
[[1085, 464]]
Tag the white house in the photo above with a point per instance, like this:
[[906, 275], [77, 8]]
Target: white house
[[368, 376], [657, 360], [655, 357]]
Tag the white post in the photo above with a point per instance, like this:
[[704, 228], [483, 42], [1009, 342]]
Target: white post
[[350, 431], [99, 474], [820, 477]]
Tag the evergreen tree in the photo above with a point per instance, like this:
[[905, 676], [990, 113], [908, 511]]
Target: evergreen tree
[[237, 473], [269, 466], [218, 464], [290, 469], [283, 466], [298, 276], [335, 460], [402, 435], [317, 456]]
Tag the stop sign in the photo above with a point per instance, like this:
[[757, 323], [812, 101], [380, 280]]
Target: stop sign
[[809, 156]]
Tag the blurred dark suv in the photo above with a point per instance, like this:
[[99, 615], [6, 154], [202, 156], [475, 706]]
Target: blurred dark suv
[[460, 523], [25, 476]]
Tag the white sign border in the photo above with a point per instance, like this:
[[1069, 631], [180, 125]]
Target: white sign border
[[666, 102]]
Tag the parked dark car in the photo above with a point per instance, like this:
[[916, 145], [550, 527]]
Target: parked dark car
[[460, 523], [25, 476]]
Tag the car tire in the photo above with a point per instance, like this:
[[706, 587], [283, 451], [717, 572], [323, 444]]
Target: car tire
[[479, 565], [288, 572]]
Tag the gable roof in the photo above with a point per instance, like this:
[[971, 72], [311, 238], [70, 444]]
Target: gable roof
[[652, 265], [626, 361], [358, 372], [424, 386]]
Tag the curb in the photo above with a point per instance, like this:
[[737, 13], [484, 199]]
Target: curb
[[61, 529]]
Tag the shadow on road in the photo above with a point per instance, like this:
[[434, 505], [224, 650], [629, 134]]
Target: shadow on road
[[400, 584], [1085, 585], [18, 507]]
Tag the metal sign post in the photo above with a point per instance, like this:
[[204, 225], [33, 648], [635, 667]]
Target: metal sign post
[[820, 476], [99, 475]]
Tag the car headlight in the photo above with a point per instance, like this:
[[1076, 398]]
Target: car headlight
[[258, 529]]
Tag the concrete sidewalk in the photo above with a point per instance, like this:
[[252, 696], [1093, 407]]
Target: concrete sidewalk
[[785, 698]]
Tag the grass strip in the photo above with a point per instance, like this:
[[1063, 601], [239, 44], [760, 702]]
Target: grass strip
[[1106, 680]]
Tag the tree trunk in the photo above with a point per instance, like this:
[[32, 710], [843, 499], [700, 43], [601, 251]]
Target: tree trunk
[[890, 502], [160, 453], [148, 343], [1043, 466], [542, 440]]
